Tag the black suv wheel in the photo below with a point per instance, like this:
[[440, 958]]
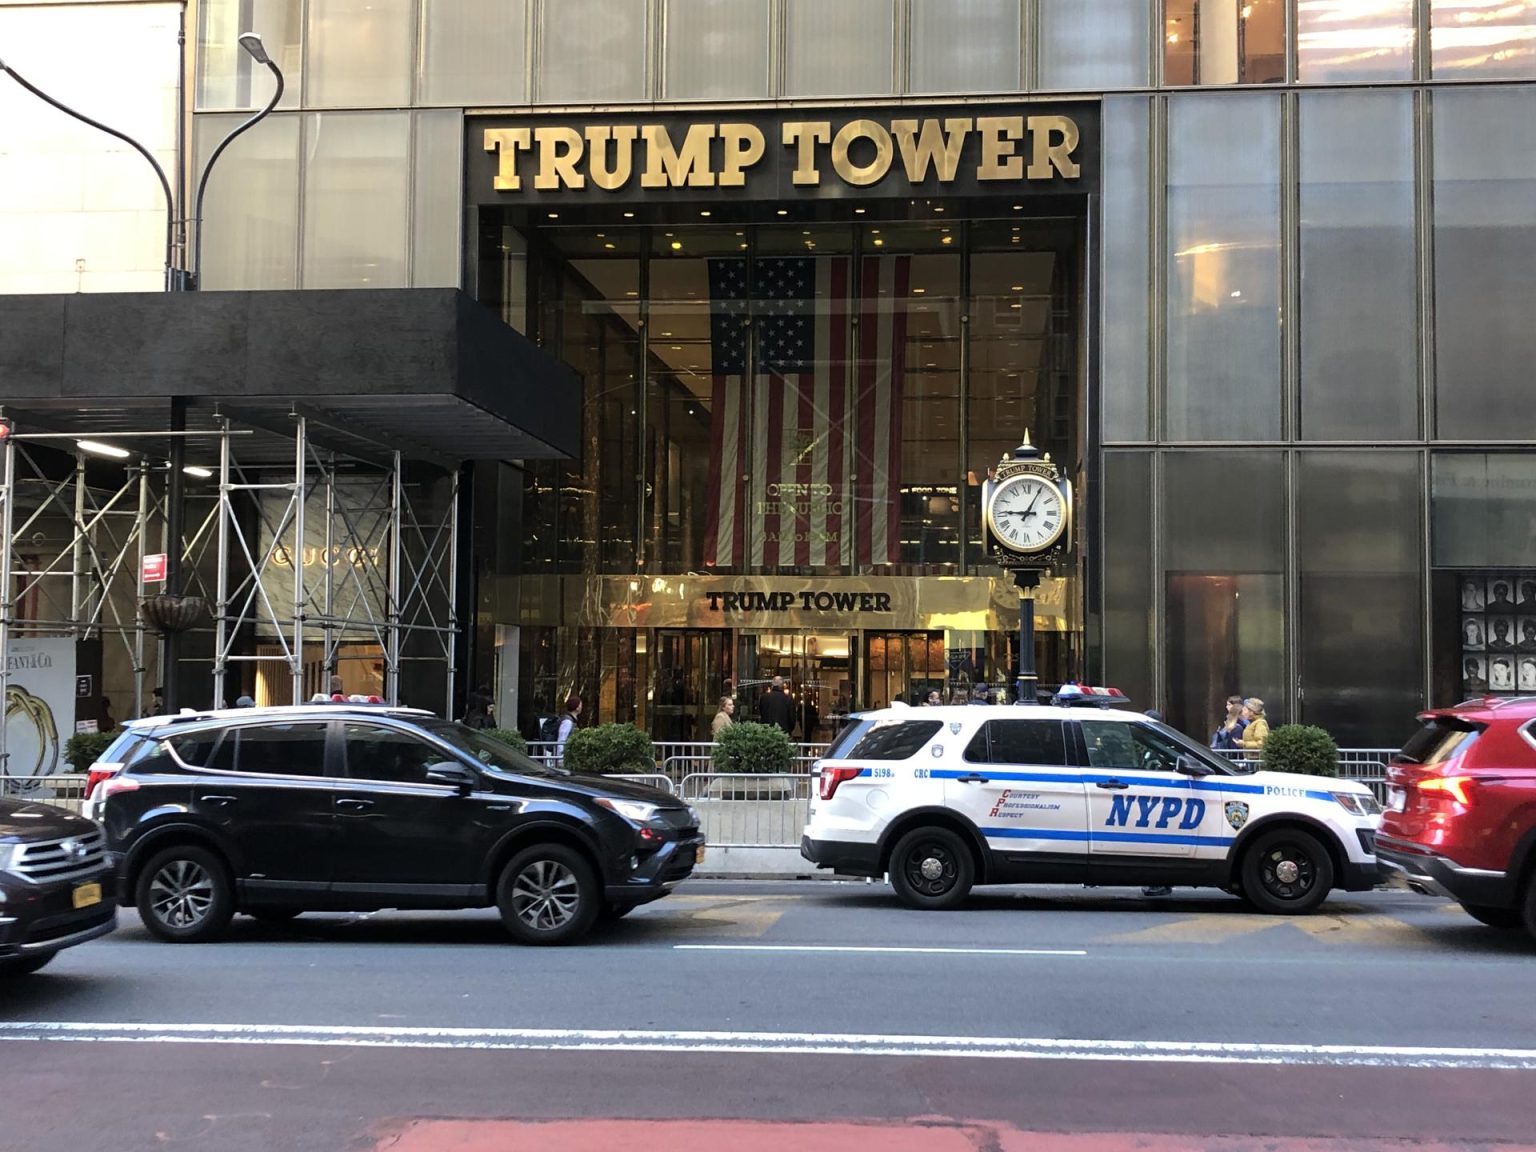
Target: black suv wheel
[[548, 894], [184, 895]]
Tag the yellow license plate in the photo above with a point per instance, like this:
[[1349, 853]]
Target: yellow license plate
[[698, 855], [87, 894]]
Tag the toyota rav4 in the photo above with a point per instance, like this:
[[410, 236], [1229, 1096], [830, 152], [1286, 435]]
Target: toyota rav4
[[274, 812]]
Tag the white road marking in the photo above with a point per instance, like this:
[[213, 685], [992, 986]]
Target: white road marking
[[775, 1043], [856, 948]]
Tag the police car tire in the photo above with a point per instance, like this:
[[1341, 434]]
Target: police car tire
[[932, 869], [1287, 872]]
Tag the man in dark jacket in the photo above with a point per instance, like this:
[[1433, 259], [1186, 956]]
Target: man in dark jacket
[[777, 708]]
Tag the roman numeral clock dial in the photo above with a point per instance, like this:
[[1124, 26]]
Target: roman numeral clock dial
[[1027, 514]]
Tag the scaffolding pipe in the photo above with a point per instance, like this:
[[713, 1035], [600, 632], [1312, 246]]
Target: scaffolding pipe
[[77, 565], [329, 644], [300, 464], [453, 587], [7, 592], [221, 585], [396, 559], [141, 532]]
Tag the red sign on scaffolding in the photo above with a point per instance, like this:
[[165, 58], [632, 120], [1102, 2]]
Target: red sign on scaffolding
[[154, 568]]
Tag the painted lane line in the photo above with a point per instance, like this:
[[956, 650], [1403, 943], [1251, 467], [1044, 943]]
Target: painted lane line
[[776, 1043], [871, 948]]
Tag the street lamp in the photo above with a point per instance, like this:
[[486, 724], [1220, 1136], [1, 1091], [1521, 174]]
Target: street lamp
[[176, 279], [253, 47]]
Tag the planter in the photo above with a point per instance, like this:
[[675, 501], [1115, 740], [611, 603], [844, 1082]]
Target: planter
[[170, 614]]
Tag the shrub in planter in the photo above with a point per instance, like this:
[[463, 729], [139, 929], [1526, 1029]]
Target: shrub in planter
[[509, 736], [84, 748], [747, 746], [1302, 749], [610, 749]]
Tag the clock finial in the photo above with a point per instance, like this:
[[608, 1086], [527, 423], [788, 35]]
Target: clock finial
[[1026, 450]]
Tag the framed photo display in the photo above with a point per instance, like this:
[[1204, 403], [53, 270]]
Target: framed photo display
[[1498, 632]]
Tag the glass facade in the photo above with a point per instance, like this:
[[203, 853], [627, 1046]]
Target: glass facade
[[1283, 351]]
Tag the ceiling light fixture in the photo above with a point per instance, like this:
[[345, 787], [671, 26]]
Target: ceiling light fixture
[[100, 449]]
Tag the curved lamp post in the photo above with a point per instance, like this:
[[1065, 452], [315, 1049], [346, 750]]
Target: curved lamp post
[[252, 44], [176, 279]]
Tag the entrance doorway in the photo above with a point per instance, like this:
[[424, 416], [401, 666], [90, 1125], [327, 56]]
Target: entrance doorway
[[903, 666], [817, 668], [693, 670]]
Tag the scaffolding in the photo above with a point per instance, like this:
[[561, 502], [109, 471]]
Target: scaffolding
[[306, 541]]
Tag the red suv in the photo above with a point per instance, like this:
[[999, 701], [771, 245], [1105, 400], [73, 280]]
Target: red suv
[[1461, 810]]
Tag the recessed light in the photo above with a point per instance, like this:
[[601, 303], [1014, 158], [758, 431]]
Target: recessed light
[[677, 245], [783, 211], [705, 212], [879, 243], [858, 211], [199, 472], [938, 207], [629, 215], [610, 244], [1015, 287], [554, 215]]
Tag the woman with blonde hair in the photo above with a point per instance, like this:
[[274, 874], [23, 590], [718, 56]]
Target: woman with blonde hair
[[1253, 735]]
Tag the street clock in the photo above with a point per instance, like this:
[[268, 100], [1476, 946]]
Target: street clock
[[1026, 508]]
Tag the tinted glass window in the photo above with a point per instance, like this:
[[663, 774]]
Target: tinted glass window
[[190, 748], [1438, 741], [375, 753], [1129, 746], [844, 739], [894, 741], [1020, 742], [275, 750]]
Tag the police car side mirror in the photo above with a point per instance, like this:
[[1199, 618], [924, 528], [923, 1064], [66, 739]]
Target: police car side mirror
[[1189, 766]]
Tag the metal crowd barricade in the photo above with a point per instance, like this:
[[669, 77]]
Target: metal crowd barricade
[[1368, 766], [64, 790], [749, 810]]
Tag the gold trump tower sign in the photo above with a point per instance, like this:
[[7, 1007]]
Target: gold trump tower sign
[[1007, 151]]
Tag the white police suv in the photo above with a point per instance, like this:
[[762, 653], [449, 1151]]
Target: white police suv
[[941, 799]]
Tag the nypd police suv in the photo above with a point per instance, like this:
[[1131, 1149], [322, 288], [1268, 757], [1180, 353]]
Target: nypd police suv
[[941, 799]]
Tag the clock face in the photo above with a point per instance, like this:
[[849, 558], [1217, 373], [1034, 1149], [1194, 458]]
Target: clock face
[[1028, 514]]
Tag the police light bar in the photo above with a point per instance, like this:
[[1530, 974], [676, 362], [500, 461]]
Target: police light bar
[[1079, 695]]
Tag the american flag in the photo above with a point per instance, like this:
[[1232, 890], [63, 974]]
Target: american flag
[[805, 464]]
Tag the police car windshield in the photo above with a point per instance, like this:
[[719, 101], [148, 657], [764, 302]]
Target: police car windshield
[[492, 753], [1197, 751]]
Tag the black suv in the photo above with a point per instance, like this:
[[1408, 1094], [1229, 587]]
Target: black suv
[[55, 884], [277, 811]]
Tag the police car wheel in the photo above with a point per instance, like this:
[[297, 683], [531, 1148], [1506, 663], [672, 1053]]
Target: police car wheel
[[1287, 872], [931, 868]]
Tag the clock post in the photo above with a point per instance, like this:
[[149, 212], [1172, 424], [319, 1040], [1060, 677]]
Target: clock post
[[1027, 524]]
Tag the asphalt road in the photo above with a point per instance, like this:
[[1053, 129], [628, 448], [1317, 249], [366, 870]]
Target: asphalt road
[[1086, 1015]]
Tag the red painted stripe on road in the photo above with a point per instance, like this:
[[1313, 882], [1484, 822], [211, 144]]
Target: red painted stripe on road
[[438, 1135]]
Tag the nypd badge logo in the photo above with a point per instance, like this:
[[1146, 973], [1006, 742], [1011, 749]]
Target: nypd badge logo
[[1237, 814], [954, 727], [937, 750]]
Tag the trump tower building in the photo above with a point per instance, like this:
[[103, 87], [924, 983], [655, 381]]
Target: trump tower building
[[794, 274]]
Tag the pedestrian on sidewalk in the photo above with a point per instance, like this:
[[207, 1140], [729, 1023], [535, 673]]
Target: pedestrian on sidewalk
[[568, 720], [1230, 730], [723, 718], [1256, 728], [777, 708]]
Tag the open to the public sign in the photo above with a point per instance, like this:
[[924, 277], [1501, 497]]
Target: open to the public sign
[[154, 568]]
